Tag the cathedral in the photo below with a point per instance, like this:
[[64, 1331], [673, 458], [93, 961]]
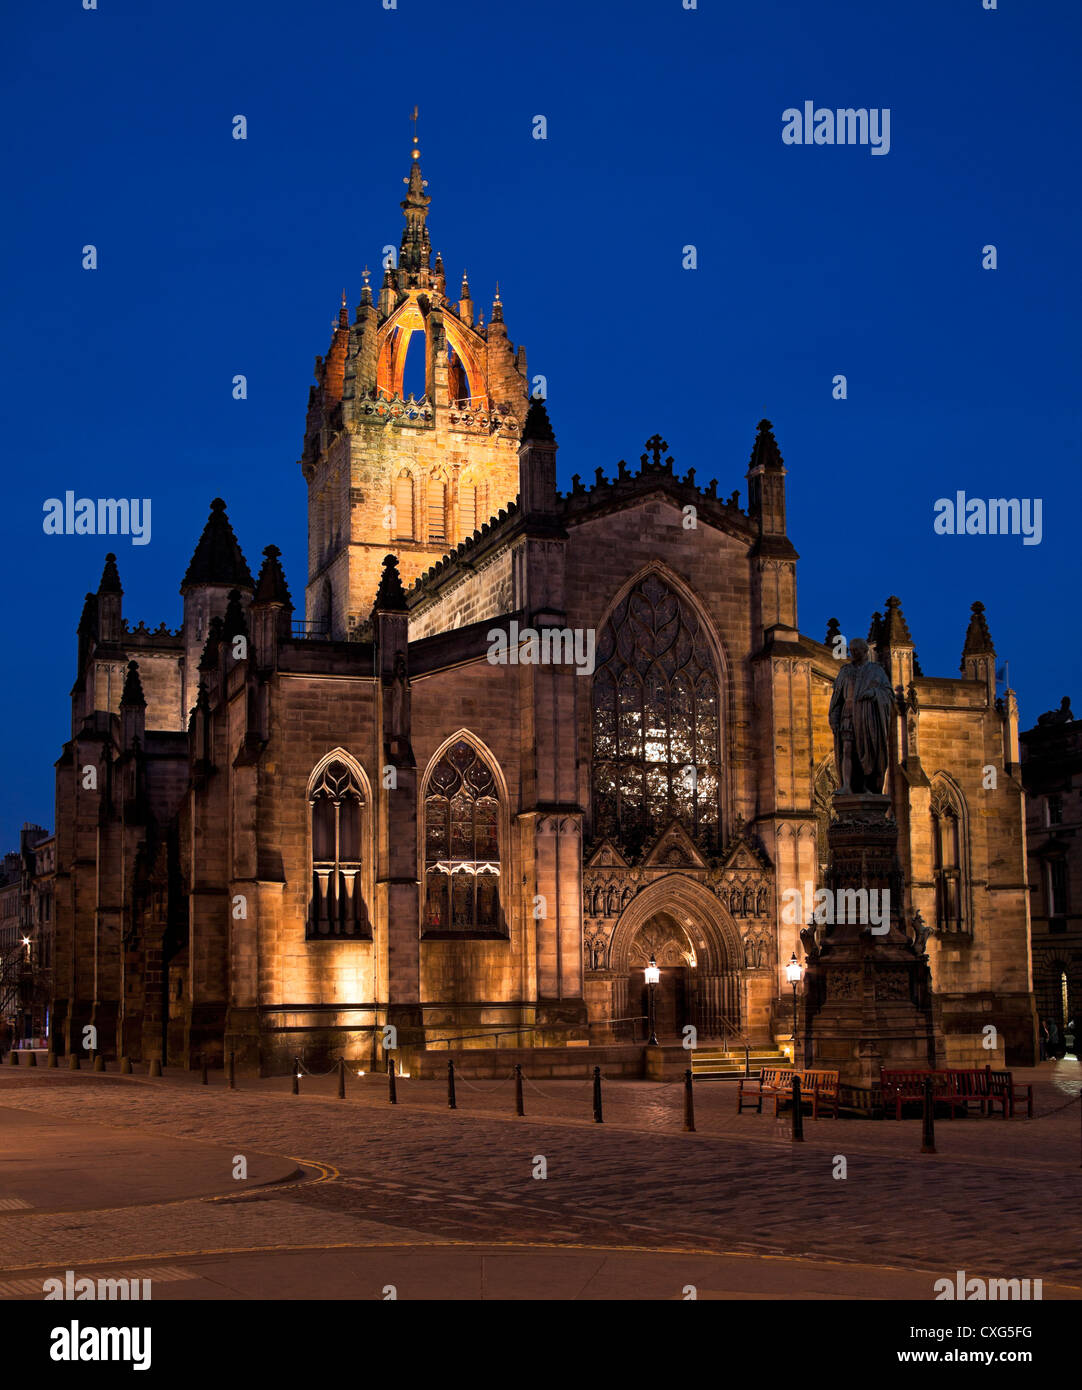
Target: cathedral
[[522, 743]]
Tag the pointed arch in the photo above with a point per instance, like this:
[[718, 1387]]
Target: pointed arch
[[661, 713], [340, 855], [824, 785], [949, 815], [464, 838], [711, 931]]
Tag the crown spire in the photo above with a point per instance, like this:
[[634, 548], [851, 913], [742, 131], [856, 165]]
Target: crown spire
[[415, 252]]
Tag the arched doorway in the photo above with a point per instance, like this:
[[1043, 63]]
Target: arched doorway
[[697, 948], [664, 941]]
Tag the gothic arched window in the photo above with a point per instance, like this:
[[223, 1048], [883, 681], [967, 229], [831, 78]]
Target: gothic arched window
[[656, 720], [948, 858], [462, 850], [826, 784], [336, 905]]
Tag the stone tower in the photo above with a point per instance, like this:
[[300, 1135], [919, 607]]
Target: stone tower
[[388, 472]]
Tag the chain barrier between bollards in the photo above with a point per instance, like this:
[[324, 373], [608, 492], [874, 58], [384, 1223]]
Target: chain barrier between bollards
[[520, 1109], [451, 1102], [927, 1138], [798, 1111], [392, 1087], [689, 1104]]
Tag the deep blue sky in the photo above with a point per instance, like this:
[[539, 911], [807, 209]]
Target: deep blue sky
[[664, 128]]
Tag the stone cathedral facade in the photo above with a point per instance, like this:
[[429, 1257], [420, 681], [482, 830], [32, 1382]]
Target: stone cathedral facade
[[520, 742]]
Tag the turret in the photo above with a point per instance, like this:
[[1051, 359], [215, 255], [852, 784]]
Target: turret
[[217, 566], [773, 554], [133, 709], [110, 595], [271, 613], [537, 464], [978, 654]]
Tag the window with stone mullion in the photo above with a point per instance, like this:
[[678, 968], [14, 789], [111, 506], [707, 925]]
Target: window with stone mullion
[[461, 839], [655, 720]]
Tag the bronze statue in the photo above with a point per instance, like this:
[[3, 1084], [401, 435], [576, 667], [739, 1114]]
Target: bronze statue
[[859, 716]]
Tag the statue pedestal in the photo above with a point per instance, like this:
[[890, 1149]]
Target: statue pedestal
[[868, 1000]]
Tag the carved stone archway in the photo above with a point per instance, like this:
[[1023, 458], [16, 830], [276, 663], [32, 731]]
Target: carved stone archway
[[685, 905]]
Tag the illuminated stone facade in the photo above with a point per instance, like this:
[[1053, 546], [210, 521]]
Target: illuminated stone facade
[[278, 836]]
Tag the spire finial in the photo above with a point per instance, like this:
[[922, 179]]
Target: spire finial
[[415, 153], [367, 275]]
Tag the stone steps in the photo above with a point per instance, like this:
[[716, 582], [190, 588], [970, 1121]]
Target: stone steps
[[723, 1064]]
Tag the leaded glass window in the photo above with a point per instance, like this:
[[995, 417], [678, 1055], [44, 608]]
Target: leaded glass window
[[337, 906], [656, 720], [948, 860], [462, 851]]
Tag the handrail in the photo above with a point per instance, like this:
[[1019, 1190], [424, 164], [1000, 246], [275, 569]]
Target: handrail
[[741, 1037], [528, 1028]]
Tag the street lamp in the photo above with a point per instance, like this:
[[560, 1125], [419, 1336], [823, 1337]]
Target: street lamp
[[792, 974], [652, 975]]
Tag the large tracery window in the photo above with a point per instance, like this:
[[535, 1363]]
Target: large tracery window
[[462, 852], [948, 859], [656, 720], [337, 906]]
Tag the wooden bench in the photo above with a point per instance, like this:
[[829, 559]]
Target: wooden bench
[[770, 1081], [815, 1084], [972, 1084], [1002, 1086], [823, 1085], [907, 1088]]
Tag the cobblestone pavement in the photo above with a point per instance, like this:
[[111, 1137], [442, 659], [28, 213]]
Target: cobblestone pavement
[[1000, 1198]]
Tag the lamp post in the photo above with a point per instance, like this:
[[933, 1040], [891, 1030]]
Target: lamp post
[[652, 975], [792, 973]]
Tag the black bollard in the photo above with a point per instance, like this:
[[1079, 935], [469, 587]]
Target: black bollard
[[99, 1062], [125, 1066], [296, 1076], [520, 1109], [73, 1062], [392, 1089], [52, 1060], [927, 1142], [451, 1104], [341, 1078], [598, 1118], [13, 1058], [232, 1071], [798, 1111], [203, 1078], [155, 1066], [689, 1104], [32, 1059]]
